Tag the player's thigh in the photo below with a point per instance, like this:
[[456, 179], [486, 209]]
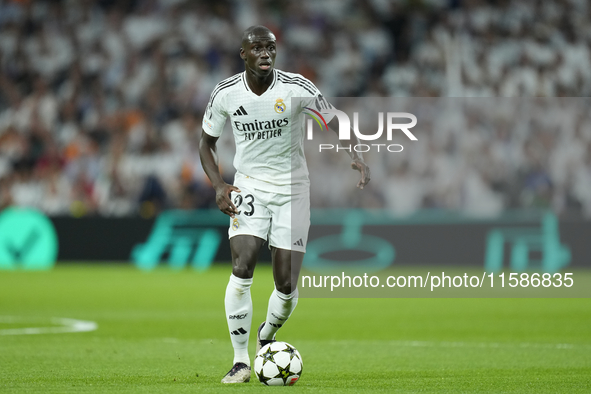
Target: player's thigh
[[253, 218], [290, 221]]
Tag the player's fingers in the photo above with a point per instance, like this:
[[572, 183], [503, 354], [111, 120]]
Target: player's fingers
[[232, 210], [229, 211], [364, 170], [361, 182], [225, 204], [225, 208], [366, 175]]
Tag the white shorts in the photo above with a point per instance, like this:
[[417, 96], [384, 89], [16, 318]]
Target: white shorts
[[282, 219]]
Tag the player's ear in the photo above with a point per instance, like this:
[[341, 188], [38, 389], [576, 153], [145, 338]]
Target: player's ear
[[242, 54]]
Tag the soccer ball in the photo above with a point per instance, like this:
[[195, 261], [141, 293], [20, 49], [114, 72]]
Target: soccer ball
[[278, 364]]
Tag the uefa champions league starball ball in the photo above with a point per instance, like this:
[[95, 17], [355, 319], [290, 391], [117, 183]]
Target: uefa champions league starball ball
[[278, 364]]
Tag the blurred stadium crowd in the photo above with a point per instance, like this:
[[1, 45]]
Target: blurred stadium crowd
[[101, 100], [480, 156]]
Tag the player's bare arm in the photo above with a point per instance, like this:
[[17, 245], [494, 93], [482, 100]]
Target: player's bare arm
[[357, 162], [209, 161]]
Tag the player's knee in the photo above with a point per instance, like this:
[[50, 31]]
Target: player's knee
[[285, 287], [244, 265], [242, 271]]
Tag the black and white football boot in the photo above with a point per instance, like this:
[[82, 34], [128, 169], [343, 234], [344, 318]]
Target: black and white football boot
[[240, 373], [262, 342]]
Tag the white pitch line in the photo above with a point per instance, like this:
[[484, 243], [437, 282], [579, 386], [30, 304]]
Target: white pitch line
[[65, 325]]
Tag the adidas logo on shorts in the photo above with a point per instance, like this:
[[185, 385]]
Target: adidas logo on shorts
[[299, 242], [240, 111]]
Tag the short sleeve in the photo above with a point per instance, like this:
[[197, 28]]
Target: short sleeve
[[318, 103], [214, 117]]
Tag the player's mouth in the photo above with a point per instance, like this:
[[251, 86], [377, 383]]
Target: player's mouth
[[265, 66]]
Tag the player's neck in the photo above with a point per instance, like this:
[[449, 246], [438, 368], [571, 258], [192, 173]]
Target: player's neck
[[258, 85]]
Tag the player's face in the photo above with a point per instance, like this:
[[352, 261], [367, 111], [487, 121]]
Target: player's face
[[259, 54]]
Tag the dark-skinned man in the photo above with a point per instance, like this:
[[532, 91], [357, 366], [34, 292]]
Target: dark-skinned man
[[271, 182]]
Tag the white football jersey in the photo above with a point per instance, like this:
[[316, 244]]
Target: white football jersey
[[266, 149]]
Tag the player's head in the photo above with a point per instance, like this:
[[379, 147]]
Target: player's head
[[258, 50]]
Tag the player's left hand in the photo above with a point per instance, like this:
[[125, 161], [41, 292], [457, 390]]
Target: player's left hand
[[360, 166]]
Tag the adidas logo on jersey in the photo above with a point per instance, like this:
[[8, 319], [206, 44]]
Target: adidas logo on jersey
[[240, 111], [299, 242]]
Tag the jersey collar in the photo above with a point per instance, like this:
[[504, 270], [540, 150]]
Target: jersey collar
[[270, 86]]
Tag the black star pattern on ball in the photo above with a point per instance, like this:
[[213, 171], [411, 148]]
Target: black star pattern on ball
[[284, 373], [292, 352], [262, 378], [268, 355]]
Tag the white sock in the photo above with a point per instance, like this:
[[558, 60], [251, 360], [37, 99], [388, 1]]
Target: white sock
[[239, 316], [280, 308]]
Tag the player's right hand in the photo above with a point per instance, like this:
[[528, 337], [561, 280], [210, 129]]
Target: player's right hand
[[222, 198]]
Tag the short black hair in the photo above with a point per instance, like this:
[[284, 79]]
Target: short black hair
[[254, 30]]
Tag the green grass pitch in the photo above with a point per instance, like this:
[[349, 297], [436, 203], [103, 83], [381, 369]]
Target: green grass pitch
[[165, 332]]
